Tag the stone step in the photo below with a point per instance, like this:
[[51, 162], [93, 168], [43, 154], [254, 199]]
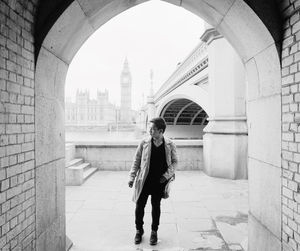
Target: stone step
[[89, 172], [76, 175], [74, 162], [82, 166]]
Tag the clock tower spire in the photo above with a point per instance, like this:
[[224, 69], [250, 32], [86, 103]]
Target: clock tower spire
[[125, 81]]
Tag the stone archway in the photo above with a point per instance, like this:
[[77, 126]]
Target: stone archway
[[246, 32]]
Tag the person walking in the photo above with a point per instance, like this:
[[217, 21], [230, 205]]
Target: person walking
[[154, 165]]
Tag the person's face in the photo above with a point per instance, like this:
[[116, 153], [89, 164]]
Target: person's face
[[154, 132]]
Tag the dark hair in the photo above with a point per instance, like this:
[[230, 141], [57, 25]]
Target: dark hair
[[160, 123]]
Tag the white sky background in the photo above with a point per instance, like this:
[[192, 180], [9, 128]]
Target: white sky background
[[154, 35]]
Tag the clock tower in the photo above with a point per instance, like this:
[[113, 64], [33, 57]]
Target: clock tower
[[125, 80]]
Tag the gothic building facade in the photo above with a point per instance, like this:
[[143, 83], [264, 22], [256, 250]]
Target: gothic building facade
[[90, 112]]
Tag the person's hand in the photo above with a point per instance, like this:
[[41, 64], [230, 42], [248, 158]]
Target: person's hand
[[162, 179], [130, 183]]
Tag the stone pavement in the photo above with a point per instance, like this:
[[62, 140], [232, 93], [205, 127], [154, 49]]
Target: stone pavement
[[203, 213]]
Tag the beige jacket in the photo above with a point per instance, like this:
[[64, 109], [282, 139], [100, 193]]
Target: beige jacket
[[141, 163]]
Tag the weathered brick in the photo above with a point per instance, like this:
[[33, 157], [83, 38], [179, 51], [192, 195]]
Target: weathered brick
[[27, 91], [294, 88], [20, 118], [13, 149], [27, 147], [4, 97], [13, 170], [297, 137], [4, 185], [288, 61], [20, 138], [21, 157], [293, 186], [13, 181], [5, 229], [285, 90], [288, 42], [29, 155], [287, 193], [293, 167], [13, 87], [297, 4], [12, 108], [29, 165], [287, 117], [293, 127], [27, 128], [26, 109], [294, 18], [12, 118], [292, 243], [288, 136], [3, 162], [297, 77], [297, 57], [28, 184], [28, 203], [292, 224], [5, 206], [288, 230], [284, 182], [288, 174], [13, 191]]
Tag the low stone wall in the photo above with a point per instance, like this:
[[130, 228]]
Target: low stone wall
[[118, 156]]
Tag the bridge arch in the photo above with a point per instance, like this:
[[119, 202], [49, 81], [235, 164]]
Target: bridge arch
[[192, 92], [185, 119], [62, 26]]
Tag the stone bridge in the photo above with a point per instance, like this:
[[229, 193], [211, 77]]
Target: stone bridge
[[205, 98]]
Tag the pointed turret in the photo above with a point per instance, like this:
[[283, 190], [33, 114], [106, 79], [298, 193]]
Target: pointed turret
[[125, 81], [126, 66], [151, 92]]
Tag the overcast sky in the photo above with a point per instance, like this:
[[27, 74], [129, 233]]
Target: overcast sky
[[154, 35]]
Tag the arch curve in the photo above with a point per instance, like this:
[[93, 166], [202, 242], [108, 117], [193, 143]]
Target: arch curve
[[234, 19], [167, 100]]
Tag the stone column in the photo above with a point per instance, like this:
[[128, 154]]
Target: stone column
[[225, 139], [150, 99], [150, 107]]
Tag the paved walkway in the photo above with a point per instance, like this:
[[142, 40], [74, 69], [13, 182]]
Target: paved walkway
[[203, 213]]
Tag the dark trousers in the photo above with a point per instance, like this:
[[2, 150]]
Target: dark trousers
[[140, 209]]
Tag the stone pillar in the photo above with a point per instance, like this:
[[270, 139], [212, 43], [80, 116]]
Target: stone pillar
[[150, 107], [150, 99], [225, 139]]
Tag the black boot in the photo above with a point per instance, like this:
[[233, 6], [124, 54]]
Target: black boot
[[153, 238], [138, 236]]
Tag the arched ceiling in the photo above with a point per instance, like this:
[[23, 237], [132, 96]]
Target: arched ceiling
[[49, 11], [184, 112]]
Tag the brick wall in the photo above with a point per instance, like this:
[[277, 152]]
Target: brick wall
[[290, 125], [17, 184]]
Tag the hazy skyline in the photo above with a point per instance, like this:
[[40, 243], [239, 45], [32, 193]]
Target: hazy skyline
[[153, 35]]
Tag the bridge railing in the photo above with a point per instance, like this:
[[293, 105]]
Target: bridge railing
[[195, 62]]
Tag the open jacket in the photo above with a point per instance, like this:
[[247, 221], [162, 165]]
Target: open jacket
[[141, 163]]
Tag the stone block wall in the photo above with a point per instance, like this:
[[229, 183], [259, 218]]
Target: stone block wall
[[290, 125], [190, 155], [17, 166]]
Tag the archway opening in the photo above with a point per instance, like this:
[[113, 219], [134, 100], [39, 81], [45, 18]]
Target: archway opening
[[253, 42]]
